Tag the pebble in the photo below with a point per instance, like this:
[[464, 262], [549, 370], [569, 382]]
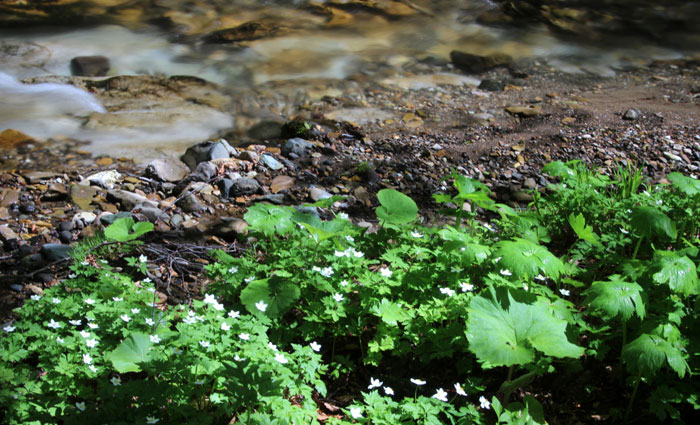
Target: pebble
[[106, 179], [244, 186], [168, 169], [207, 151], [129, 200], [271, 162], [631, 115], [317, 193], [296, 146], [54, 252]]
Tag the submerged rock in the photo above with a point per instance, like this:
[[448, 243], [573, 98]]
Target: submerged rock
[[476, 64], [207, 151], [89, 66]]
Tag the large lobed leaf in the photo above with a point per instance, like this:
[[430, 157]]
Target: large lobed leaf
[[506, 337], [124, 229], [321, 230], [616, 298], [650, 222], [526, 259], [269, 219], [277, 293], [396, 208], [679, 272], [685, 184], [133, 351], [578, 224], [648, 353]]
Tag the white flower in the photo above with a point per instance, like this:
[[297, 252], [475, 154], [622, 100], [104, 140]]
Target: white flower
[[483, 403], [204, 344], [343, 215], [80, 405], [327, 272], [218, 306], [117, 299], [249, 279], [565, 292], [56, 300], [148, 280], [54, 324], [75, 322], [416, 235], [143, 258], [315, 346], [388, 391], [93, 368], [93, 325], [356, 412], [244, 336], [447, 291], [154, 338], [9, 328], [209, 299], [87, 359], [506, 272], [149, 321], [233, 270], [540, 277], [152, 420], [418, 381], [85, 334], [225, 326], [344, 283], [280, 358], [624, 231], [488, 226], [385, 272], [200, 381], [497, 259], [455, 269], [89, 301], [35, 297], [460, 390], [59, 340], [189, 320], [349, 238], [125, 318], [116, 381], [272, 346], [374, 383], [466, 287], [338, 297], [260, 305], [440, 394], [135, 310], [358, 254], [525, 287], [233, 314], [91, 343], [341, 253]]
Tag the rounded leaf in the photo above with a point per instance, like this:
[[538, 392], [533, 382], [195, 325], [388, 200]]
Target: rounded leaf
[[616, 298], [650, 222], [649, 353], [396, 208]]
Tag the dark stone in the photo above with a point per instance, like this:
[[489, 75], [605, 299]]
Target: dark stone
[[631, 115], [55, 252], [65, 236], [152, 214], [296, 146], [277, 198], [244, 186], [225, 186], [266, 130], [45, 277], [475, 64], [66, 225], [10, 245], [27, 208], [492, 84], [204, 172], [207, 151], [89, 66], [296, 128]]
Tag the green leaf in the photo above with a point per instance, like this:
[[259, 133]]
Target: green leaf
[[269, 219], [649, 353], [133, 351], [277, 293], [501, 336], [616, 298], [391, 313], [319, 229], [687, 185], [396, 208], [578, 223], [649, 222], [124, 230], [558, 169], [526, 259], [678, 272]]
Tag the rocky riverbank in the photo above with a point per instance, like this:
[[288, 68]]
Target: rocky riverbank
[[406, 132]]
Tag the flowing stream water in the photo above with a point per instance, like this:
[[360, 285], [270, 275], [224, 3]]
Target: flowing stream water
[[298, 44]]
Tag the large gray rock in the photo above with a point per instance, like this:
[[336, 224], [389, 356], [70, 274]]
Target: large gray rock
[[207, 151], [167, 169], [130, 200], [55, 252], [296, 146], [271, 162]]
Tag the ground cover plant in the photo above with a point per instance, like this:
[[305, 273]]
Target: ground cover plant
[[323, 321]]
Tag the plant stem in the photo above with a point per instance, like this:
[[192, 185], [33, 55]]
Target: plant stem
[[636, 248], [506, 396], [634, 394]]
